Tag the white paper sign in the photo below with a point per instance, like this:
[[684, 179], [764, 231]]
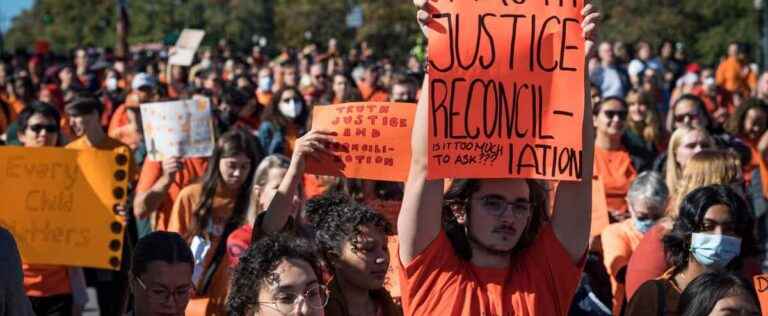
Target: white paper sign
[[178, 128], [186, 46]]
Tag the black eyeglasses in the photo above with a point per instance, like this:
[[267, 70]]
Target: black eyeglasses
[[37, 128], [611, 114], [690, 116], [497, 206]]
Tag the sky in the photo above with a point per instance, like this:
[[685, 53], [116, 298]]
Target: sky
[[10, 9]]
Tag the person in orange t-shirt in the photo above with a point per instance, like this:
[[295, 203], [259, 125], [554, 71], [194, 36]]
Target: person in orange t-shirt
[[613, 165], [143, 91], [647, 200], [749, 123], [85, 114], [159, 184], [206, 213], [497, 253], [47, 286], [369, 85], [734, 73]]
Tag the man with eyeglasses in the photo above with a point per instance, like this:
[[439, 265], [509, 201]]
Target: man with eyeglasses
[[161, 275]]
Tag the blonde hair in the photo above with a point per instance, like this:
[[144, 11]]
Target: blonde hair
[[268, 163], [260, 177], [708, 167], [673, 170], [650, 127]]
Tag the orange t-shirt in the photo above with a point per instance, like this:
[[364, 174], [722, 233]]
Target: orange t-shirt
[[370, 93], [731, 76], [192, 169], [109, 143], [619, 241], [540, 281], [614, 168], [42, 280], [181, 221]]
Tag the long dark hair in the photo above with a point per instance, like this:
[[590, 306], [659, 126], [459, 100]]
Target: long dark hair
[[273, 115], [735, 125], [232, 143], [701, 295], [458, 198], [691, 219]]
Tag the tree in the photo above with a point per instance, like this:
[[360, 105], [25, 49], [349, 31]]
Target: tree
[[705, 26]]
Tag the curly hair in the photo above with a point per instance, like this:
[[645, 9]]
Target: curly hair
[[258, 264], [343, 222], [735, 125], [691, 219], [318, 207], [458, 198]]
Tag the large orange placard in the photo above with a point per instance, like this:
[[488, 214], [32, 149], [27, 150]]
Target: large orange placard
[[373, 140], [761, 285], [60, 204], [506, 89]]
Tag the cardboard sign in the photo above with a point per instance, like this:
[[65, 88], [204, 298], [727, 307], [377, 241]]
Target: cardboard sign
[[186, 47], [373, 140], [178, 128], [761, 285], [60, 204], [506, 89]]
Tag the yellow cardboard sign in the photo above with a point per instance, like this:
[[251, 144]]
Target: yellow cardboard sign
[[60, 204]]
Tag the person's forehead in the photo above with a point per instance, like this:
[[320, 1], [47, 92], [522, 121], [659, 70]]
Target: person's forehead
[[510, 189], [612, 105], [685, 106], [168, 273], [293, 273], [694, 136], [39, 118], [276, 174], [368, 233], [718, 213], [236, 159]]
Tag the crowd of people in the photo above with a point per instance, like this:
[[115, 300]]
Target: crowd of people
[[679, 151]]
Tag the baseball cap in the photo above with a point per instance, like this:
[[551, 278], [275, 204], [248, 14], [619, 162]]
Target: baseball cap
[[141, 80]]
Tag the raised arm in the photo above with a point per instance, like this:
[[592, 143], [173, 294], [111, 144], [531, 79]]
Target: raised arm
[[573, 203], [281, 207], [420, 215]]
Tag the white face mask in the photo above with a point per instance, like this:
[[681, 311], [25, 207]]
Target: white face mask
[[111, 84], [291, 109]]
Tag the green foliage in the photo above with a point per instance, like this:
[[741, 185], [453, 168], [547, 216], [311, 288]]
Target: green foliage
[[705, 26], [285, 23]]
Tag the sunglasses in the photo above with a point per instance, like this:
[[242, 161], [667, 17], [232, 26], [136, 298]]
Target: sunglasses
[[37, 128], [690, 116], [611, 114]]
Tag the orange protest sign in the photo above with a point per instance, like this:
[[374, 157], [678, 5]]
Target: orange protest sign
[[506, 84], [373, 140], [761, 285], [60, 204]]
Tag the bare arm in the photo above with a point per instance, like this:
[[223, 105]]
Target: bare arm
[[420, 215], [147, 202], [573, 203], [281, 207]]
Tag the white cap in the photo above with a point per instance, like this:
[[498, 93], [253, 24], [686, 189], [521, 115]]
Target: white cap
[[142, 80]]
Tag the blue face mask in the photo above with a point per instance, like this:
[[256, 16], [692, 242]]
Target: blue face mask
[[714, 250], [643, 226], [265, 84]]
